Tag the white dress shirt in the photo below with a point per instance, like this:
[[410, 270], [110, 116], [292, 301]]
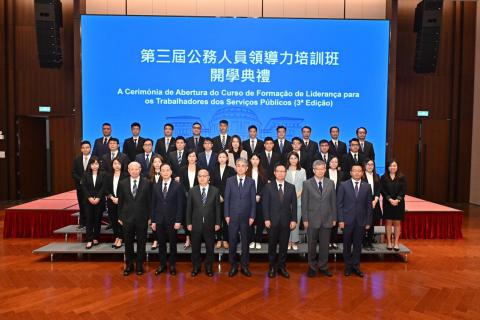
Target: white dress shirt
[[131, 183], [115, 185], [370, 180], [191, 177], [332, 173]]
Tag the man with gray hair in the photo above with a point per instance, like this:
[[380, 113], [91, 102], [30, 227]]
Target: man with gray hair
[[319, 212], [134, 201]]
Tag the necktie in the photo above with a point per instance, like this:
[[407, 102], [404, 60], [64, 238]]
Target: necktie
[[135, 142], [280, 192], [361, 144], [207, 156], [336, 146], [320, 186], [306, 144], [253, 145], [223, 142], [240, 185], [204, 196], [85, 163], [112, 156], [281, 146], [167, 143], [165, 190], [356, 189], [355, 157], [105, 141], [135, 188], [325, 158], [196, 142], [147, 160], [269, 157], [179, 157]]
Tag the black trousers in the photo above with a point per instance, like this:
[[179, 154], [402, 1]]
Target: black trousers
[[334, 234], [132, 230], [377, 216], [222, 234], [243, 228], [165, 231], [82, 206], [207, 232], [258, 225], [352, 237], [278, 236], [94, 220], [113, 216]]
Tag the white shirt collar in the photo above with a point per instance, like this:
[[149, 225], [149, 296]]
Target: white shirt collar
[[319, 180], [201, 188], [355, 181]]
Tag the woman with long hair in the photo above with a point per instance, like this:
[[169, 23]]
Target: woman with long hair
[[296, 175], [255, 171]]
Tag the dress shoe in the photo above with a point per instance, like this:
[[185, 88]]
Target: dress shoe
[[396, 248], [246, 272], [311, 273], [139, 272], [108, 227], [347, 273], [284, 273], [209, 273], [358, 272], [155, 246], [219, 245], [195, 272], [233, 272], [326, 273], [225, 245], [330, 246], [127, 271], [271, 273], [118, 247], [96, 243], [258, 246], [173, 271], [80, 227], [334, 246], [89, 245], [389, 248], [252, 245], [294, 246], [160, 269]]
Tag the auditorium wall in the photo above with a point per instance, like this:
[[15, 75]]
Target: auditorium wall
[[475, 166], [449, 95]]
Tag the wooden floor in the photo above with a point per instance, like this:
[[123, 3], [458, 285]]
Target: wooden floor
[[440, 281]]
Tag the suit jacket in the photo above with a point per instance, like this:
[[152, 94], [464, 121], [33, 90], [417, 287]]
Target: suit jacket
[[160, 147], [368, 151], [109, 183], [168, 210], [280, 213], [268, 167], [94, 191], [319, 209], [376, 185], [339, 152], [221, 181], [140, 158], [353, 209], [202, 161], [191, 144], [107, 162], [199, 214], [287, 147], [247, 147], [338, 179], [99, 149], [173, 161], [183, 174], [312, 148], [305, 162], [217, 143], [240, 203], [129, 147], [348, 161], [134, 209], [77, 170]]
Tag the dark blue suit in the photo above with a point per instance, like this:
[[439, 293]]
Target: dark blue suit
[[240, 206], [356, 213], [140, 158], [202, 162]]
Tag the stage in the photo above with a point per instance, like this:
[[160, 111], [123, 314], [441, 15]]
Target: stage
[[40, 218]]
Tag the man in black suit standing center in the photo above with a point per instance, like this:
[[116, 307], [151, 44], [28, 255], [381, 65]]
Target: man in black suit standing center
[[203, 220]]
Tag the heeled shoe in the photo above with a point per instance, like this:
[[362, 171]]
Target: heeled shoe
[[219, 245], [389, 248], [96, 243], [226, 245], [89, 245], [118, 246], [186, 246], [396, 248], [155, 246]]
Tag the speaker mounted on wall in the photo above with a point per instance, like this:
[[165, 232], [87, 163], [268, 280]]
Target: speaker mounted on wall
[[48, 20]]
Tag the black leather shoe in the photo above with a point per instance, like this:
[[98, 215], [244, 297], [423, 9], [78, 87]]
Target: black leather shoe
[[108, 227], [311, 273], [139, 272], [347, 273], [272, 273], [173, 271], [127, 271], [246, 272], [209, 273], [233, 272], [358, 272], [160, 269], [326, 273], [195, 272], [284, 273]]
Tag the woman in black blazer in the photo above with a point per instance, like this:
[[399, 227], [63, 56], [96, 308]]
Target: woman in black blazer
[[94, 186], [154, 177], [113, 178], [334, 174], [187, 176], [370, 175], [218, 179], [255, 171], [393, 190]]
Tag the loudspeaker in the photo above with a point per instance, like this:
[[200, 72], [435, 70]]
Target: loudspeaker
[[48, 20], [428, 20]]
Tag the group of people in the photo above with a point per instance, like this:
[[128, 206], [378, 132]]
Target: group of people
[[224, 191]]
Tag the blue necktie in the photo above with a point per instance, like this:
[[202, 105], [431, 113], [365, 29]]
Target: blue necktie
[[356, 189], [204, 196]]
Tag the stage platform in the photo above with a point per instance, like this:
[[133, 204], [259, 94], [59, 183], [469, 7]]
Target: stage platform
[[40, 218]]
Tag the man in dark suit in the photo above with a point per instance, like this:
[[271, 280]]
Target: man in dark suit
[[252, 144], [195, 142], [324, 153], [145, 158], [310, 146], [337, 148], [134, 145], [351, 158], [354, 205], [80, 164], [222, 141], [100, 146], [303, 156], [207, 159], [134, 200], [366, 147], [178, 158], [281, 145], [113, 145], [165, 145], [240, 206], [268, 158], [168, 200], [203, 217], [279, 204]]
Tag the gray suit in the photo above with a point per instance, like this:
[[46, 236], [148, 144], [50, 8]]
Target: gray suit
[[319, 209]]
